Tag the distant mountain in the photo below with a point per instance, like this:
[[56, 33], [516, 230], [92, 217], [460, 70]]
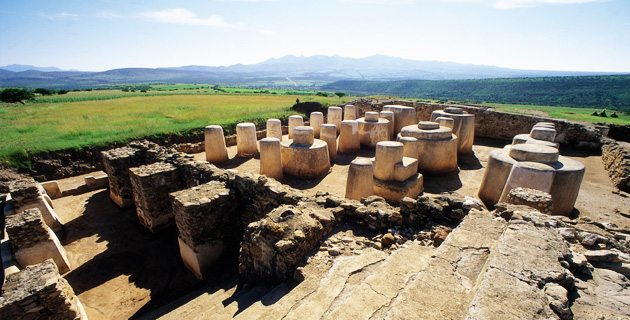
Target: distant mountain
[[22, 67], [285, 71]]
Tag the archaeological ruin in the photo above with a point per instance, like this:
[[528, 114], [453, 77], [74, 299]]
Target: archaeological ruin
[[376, 209]]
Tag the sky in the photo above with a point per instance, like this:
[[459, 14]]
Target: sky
[[98, 35]]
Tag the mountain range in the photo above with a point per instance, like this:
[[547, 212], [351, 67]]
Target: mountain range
[[286, 71]]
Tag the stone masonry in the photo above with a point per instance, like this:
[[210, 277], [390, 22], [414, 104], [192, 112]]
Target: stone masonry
[[151, 185], [39, 292], [33, 241]]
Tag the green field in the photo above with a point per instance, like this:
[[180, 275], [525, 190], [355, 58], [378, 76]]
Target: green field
[[568, 113], [100, 117]]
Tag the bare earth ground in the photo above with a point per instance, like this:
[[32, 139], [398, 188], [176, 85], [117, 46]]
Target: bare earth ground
[[120, 270]]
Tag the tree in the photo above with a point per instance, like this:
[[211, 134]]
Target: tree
[[13, 95], [340, 94], [44, 92]]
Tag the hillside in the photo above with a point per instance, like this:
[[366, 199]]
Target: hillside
[[611, 92], [281, 72]]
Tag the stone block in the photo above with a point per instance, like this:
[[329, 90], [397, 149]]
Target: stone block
[[117, 163], [207, 220], [151, 187], [39, 292], [52, 189], [33, 241], [394, 191]]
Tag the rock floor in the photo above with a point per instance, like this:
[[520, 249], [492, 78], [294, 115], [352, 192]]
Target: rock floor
[[119, 269]]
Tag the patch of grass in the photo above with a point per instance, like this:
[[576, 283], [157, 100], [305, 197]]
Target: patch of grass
[[37, 127], [568, 113]]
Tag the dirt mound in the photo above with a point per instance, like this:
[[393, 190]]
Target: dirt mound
[[308, 107]]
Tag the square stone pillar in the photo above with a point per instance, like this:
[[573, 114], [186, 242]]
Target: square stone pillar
[[32, 240]]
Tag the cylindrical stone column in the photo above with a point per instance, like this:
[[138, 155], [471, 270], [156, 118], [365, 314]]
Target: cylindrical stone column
[[445, 122], [317, 119], [566, 185], [349, 137], [360, 183], [274, 129], [294, 121], [271, 158], [463, 126], [387, 154], [437, 147], [403, 116], [350, 112], [372, 129], [216, 151], [496, 174], [531, 175], [543, 133], [328, 134], [246, 140], [303, 135], [335, 116], [389, 116], [410, 146]]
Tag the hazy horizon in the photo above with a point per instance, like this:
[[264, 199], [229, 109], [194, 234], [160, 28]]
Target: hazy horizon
[[554, 35]]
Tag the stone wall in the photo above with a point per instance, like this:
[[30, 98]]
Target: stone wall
[[619, 132], [26, 229], [39, 292], [616, 158], [500, 125], [151, 186]]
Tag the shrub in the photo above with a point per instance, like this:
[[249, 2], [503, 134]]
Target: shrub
[[13, 95]]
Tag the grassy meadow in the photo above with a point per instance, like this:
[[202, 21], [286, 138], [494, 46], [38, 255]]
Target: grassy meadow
[[568, 113], [99, 117]]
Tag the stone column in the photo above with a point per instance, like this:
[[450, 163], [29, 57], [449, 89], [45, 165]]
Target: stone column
[[335, 116], [350, 112], [360, 183], [543, 133], [445, 122], [274, 129], [304, 156], [389, 116], [271, 158], [349, 137], [387, 154], [403, 116], [410, 145], [294, 121], [437, 147], [151, 186], [531, 175], [317, 119], [303, 135], [216, 151], [246, 140], [372, 129], [329, 135], [463, 126]]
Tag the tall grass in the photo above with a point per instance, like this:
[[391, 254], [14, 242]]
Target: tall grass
[[36, 127]]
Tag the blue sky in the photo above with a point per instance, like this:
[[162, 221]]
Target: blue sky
[[96, 35]]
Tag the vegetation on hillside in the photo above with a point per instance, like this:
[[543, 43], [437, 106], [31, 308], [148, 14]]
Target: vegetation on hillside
[[611, 92]]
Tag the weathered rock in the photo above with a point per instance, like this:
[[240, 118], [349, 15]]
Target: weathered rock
[[39, 292]]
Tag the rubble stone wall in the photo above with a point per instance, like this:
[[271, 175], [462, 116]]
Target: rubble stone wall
[[616, 158], [39, 292], [27, 229], [151, 186], [500, 125]]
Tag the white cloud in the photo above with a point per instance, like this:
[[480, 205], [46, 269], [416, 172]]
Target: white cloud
[[512, 4], [187, 17], [58, 16], [108, 15]]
